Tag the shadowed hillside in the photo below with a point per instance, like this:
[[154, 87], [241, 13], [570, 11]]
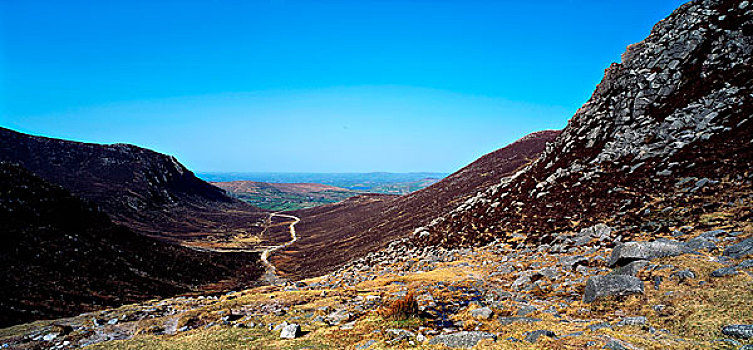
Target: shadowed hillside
[[61, 256], [149, 192]]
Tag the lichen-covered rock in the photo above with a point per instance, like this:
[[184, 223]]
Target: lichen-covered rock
[[461, 339], [743, 331], [739, 250], [632, 251], [611, 285], [290, 331]]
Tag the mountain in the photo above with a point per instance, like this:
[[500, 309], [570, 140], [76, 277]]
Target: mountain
[[62, 256], [285, 196], [672, 118], [149, 192], [334, 234]]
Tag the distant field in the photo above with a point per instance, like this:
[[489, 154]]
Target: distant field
[[293, 191]]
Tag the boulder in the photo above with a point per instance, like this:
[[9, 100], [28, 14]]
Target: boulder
[[483, 313], [631, 251], [742, 331], [532, 337], [291, 331], [739, 250], [461, 339], [611, 285], [724, 272]]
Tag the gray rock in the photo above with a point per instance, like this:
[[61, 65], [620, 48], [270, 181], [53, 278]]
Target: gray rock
[[631, 269], [510, 320], [291, 331], [724, 272], [633, 321], [614, 345], [569, 263], [611, 285], [532, 337], [683, 275], [631, 251], [366, 345], [745, 264], [526, 309], [742, 331], [739, 250], [461, 339], [483, 313], [700, 243]]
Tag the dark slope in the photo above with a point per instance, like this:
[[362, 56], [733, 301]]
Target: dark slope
[[61, 256], [670, 119], [149, 192], [334, 234]]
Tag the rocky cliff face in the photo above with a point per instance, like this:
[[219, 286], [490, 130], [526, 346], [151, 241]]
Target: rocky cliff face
[[675, 111], [148, 191]]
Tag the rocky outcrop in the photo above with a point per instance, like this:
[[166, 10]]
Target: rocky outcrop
[[677, 107]]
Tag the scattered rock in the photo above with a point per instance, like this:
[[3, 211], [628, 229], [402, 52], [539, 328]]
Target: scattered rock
[[631, 269]]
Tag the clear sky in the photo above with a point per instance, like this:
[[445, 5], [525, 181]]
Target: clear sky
[[309, 86]]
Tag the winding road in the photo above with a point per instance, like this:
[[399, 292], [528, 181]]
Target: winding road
[[270, 273]]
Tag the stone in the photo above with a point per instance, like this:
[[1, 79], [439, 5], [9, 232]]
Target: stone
[[483, 313], [683, 275], [739, 250], [611, 285], [724, 272], [633, 321], [700, 243], [742, 331], [614, 345], [510, 320], [366, 344], [631, 251], [532, 337], [526, 309], [465, 339], [291, 331]]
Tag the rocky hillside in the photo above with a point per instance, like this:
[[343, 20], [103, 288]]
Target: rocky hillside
[[332, 235], [675, 113], [61, 256], [149, 192]]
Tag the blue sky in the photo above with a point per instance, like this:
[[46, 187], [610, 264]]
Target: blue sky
[[309, 86]]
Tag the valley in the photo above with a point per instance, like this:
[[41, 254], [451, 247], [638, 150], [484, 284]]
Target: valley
[[631, 228]]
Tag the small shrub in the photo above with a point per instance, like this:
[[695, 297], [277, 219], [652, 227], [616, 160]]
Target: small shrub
[[401, 309]]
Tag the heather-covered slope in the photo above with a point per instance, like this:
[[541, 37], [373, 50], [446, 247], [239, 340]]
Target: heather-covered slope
[[334, 234], [61, 256], [149, 192], [676, 109]]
